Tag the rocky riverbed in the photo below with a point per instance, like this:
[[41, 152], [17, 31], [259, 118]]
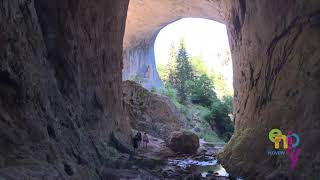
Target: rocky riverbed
[[159, 162]]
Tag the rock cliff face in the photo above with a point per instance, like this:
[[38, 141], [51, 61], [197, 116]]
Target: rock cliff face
[[140, 63], [275, 48], [149, 112], [60, 87], [60, 81]]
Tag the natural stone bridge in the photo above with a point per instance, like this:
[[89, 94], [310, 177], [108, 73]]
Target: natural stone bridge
[[61, 73]]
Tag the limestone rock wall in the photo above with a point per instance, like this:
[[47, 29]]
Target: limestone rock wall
[[140, 63], [275, 49], [60, 87]]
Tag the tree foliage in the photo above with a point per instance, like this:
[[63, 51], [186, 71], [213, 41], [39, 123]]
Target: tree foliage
[[189, 79], [172, 65], [200, 89], [219, 118], [163, 72], [221, 86], [183, 72], [198, 66]]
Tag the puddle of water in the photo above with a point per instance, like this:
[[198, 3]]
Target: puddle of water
[[206, 166], [216, 170], [185, 163]]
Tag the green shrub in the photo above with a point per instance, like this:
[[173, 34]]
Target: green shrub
[[219, 117]]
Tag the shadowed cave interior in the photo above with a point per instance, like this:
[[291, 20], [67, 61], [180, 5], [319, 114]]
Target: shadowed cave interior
[[67, 110]]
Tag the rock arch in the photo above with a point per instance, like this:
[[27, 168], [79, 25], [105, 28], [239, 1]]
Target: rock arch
[[274, 79], [60, 81], [144, 21]]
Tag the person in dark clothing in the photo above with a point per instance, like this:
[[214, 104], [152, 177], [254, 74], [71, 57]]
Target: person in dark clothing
[[139, 136], [135, 143]]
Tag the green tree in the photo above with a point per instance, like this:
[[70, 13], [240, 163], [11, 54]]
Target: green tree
[[228, 101], [172, 65], [201, 90], [183, 72], [220, 85], [163, 72], [198, 65]]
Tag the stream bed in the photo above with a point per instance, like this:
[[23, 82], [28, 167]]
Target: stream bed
[[201, 166]]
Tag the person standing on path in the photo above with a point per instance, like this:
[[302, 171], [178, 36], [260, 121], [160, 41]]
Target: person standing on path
[[145, 139], [135, 143], [139, 137]]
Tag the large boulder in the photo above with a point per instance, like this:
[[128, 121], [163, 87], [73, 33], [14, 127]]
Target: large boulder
[[184, 142], [150, 112]]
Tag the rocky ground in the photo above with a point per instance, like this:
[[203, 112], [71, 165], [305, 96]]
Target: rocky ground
[[157, 161], [166, 126]]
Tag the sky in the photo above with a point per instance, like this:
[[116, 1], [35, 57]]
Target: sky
[[204, 38]]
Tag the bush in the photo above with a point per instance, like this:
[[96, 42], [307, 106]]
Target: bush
[[219, 117]]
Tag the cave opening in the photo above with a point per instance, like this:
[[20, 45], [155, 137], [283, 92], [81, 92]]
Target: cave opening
[[179, 91], [206, 86], [65, 110]]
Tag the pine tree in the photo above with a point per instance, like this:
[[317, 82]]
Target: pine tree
[[172, 65], [183, 72]]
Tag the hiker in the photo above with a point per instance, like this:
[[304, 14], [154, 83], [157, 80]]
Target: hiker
[[145, 139], [139, 137], [135, 143]]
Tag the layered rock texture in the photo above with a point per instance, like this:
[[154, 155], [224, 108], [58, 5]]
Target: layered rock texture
[[149, 112], [60, 87], [275, 47], [60, 81]]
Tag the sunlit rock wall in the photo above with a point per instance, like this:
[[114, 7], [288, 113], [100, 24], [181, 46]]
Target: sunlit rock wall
[[139, 64]]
